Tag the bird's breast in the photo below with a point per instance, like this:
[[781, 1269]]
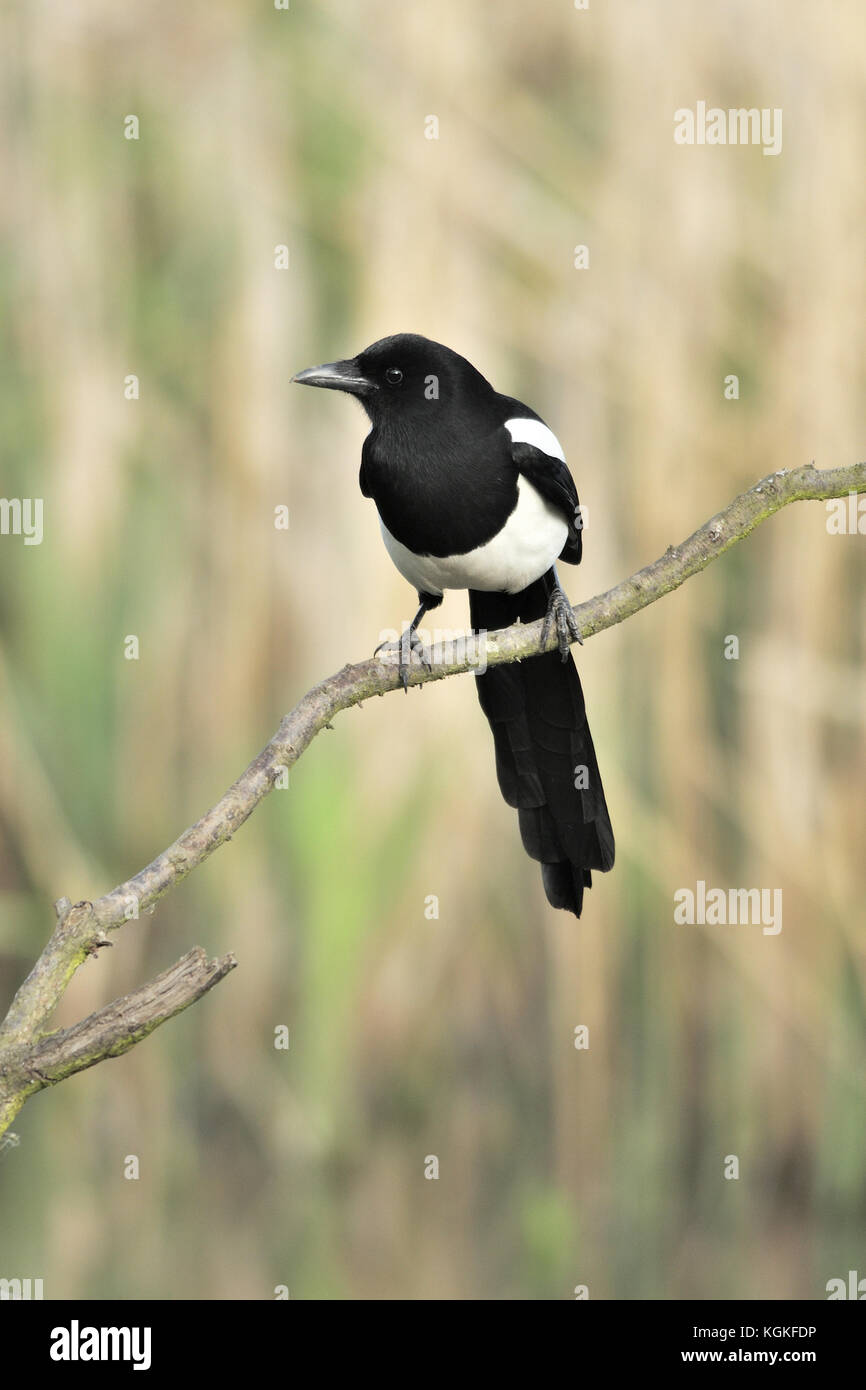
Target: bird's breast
[[527, 543], [437, 494]]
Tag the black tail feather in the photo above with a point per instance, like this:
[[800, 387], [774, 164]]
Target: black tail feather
[[544, 752]]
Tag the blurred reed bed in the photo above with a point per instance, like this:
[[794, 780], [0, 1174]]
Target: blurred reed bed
[[454, 1036]]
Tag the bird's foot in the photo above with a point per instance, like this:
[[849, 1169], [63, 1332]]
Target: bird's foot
[[408, 647], [561, 614]]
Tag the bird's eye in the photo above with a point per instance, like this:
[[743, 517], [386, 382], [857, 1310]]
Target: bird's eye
[[393, 376]]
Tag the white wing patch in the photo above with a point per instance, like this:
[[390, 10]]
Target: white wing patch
[[533, 432]]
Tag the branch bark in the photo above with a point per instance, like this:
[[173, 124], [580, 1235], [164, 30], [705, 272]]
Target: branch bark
[[26, 1068], [31, 1058]]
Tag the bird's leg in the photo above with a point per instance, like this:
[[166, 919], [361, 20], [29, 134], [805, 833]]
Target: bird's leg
[[561, 614], [410, 642]]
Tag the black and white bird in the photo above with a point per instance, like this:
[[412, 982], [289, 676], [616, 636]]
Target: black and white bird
[[473, 492]]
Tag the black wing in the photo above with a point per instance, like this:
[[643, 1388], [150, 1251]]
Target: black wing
[[362, 478], [550, 477]]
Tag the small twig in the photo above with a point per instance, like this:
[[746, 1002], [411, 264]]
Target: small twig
[[109, 1032]]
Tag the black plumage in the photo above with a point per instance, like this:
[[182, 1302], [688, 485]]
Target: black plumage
[[473, 492]]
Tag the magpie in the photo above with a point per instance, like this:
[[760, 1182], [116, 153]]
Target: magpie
[[473, 492]]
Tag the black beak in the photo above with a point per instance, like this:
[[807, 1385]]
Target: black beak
[[337, 376]]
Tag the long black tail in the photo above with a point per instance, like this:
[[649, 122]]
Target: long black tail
[[545, 760]]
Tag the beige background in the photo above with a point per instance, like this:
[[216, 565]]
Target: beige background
[[453, 1037]]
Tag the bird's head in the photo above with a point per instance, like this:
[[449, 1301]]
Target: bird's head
[[401, 378]]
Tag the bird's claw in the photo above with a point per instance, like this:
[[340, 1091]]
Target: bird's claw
[[561, 614], [408, 646]]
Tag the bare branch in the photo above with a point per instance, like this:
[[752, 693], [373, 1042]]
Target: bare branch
[[109, 1032], [375, 677], [82, 929]]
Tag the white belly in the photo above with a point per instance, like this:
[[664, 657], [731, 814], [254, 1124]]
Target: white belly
[[522, 552]]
